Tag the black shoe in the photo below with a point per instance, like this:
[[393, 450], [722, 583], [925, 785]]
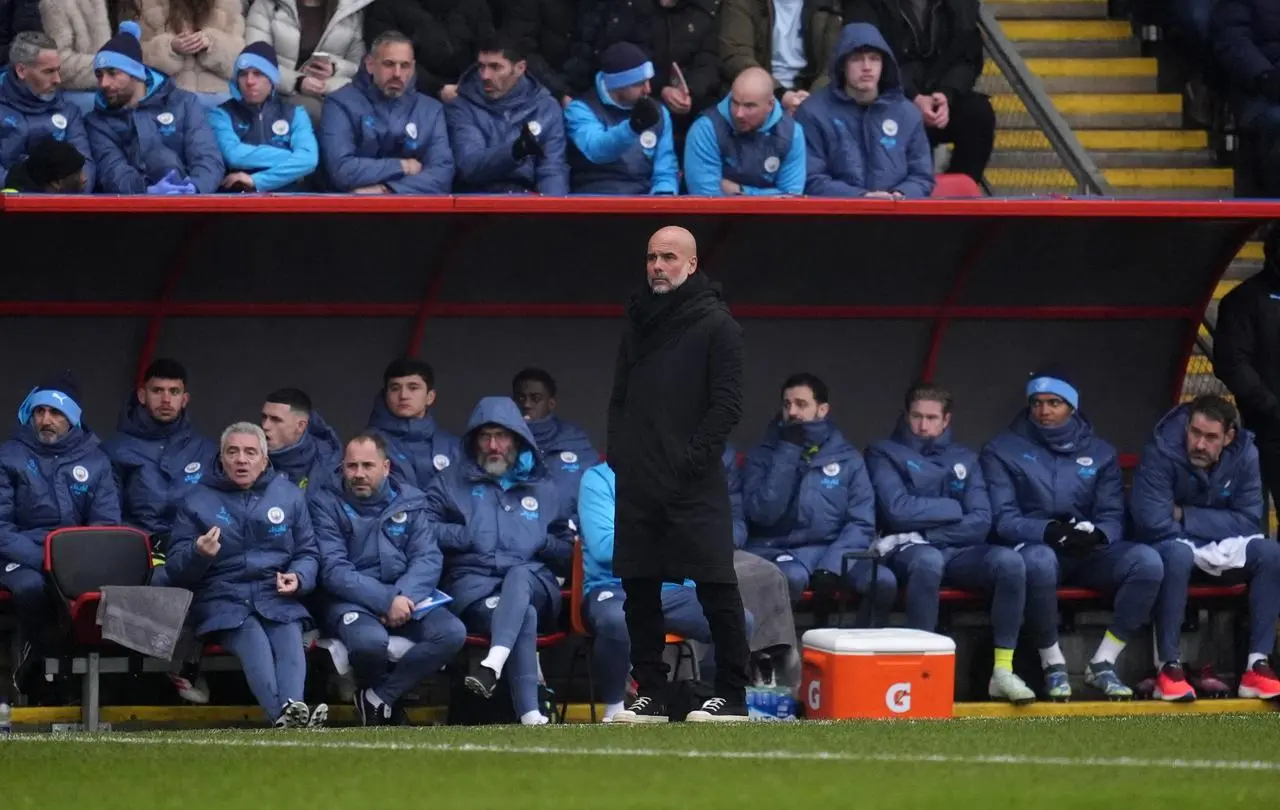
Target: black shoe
[[369, 714], [482, 681], [719, 710], [399, 717], [641, 711]]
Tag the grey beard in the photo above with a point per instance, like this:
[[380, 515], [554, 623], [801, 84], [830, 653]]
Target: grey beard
[[496, 468]]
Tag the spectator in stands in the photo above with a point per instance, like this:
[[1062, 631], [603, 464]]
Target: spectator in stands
[[419, 448], [17, 16], [81, 28], [865, 101], [502, 526], [939, 53], [1197, 497], [932, 507], [301, 446], [793, 40], [745, 145], [319, 43], [380, 135], [148, 135], [564, 447], [194, 42], [445, 35], [548, 33], [53, 474], [1057, 499], [32, 107], [506, 129], [733, 474], [267, 143], [1246, 35], [620, 139], [53, 167], [247, 590], [1246, 356], [808, 500], [380, 561]]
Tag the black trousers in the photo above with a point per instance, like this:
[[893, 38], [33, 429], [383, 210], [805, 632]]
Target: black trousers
[[972, 129], [1269, 461], [721, 603]]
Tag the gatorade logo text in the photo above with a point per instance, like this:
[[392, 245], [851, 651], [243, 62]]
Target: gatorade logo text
[[815, 695], [897, 698]]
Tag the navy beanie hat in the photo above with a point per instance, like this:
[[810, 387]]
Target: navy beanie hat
[[123, 52], [1054, 379], [623, 64], [262, 57]]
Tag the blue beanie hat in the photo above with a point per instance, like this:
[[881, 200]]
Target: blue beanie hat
[[1054, 379], [623, 64], [262, 57], [123, 52], [60, 393]]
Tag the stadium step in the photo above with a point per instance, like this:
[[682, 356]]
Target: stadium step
[[1049, 9], [1080, 76], [1097, 110], [1212, 183], [1087, 39], [1114, 159]]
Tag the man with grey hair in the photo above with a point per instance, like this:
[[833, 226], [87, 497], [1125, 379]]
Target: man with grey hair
[[247, 590], [381, 136], [32, 106], [677, 393]]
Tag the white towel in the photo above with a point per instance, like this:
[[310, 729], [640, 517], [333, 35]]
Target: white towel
[[397, 648], [1222, 556], [885, 546]]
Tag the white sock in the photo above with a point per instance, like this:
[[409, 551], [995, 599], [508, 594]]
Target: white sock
[[496, 659], [1108, 650], [1052, 656], [611, 709], [373, 698], [534, 718], [1255, 658]]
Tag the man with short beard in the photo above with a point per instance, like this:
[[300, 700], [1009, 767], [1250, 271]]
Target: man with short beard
[[53, 474], [503, 528]]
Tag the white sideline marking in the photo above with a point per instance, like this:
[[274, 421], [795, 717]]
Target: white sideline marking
[[766, 756]]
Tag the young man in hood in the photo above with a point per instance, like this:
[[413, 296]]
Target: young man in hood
[[381, 136], [301, 446], [147, 135], [506, 129], [1197, 497], [620, 139], [745, 144], [33, 108], [1058, 500], [267, 142], [418, 447], [931, 502], [864, 139], [565, 448], [53, 474], [505, 533]]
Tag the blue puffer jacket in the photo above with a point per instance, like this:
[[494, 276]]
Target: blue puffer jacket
[[567, 453], [1225, 501], [1246, 37], [483, 131], [930, 486], [1036, 475], [167, 131], [315, 457], [733, 474], [25, 120], [156, 465], [486, 526], [823, 500], [854, 149], [419, 448], [266, 530], [373, 551], [51, 486], [365, 135]]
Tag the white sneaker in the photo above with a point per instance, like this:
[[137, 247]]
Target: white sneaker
[[1004, 685], [295, 714], [319, 715], [718, 710], [191, 691]]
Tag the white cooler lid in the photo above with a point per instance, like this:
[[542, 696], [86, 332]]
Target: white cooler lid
[[879, 640]]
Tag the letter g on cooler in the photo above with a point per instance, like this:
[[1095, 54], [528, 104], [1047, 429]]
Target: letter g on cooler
[[897, 698], [814, 698]]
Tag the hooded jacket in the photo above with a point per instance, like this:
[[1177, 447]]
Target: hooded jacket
[[486, 525], [272, 142], [566, 451], [26, 119], [1223, 501], [769, 161], [313, 458], [419, 448], [855, 149]]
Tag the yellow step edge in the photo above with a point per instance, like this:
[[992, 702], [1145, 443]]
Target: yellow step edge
[[1106, 708], [1224, 287], [1045, 2], [1066, 30], [1252, 251], [1120, 178], [1058, 68], [1098, 103], [1155, 140]]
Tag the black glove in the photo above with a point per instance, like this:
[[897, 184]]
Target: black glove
[[1269, 84], [645, 114], [825, 585], [526, 145], [793, 433], [1056, 535]]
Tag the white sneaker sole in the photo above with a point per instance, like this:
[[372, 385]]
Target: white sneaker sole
[[699, 716], [1250, 692], [319, 716], [297, 715], [625, 718], [1189, 697]]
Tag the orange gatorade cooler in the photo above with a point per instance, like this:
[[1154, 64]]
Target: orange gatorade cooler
[[883, 673]]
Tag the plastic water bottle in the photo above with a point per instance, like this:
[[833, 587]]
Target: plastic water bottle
[[6, 719]]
